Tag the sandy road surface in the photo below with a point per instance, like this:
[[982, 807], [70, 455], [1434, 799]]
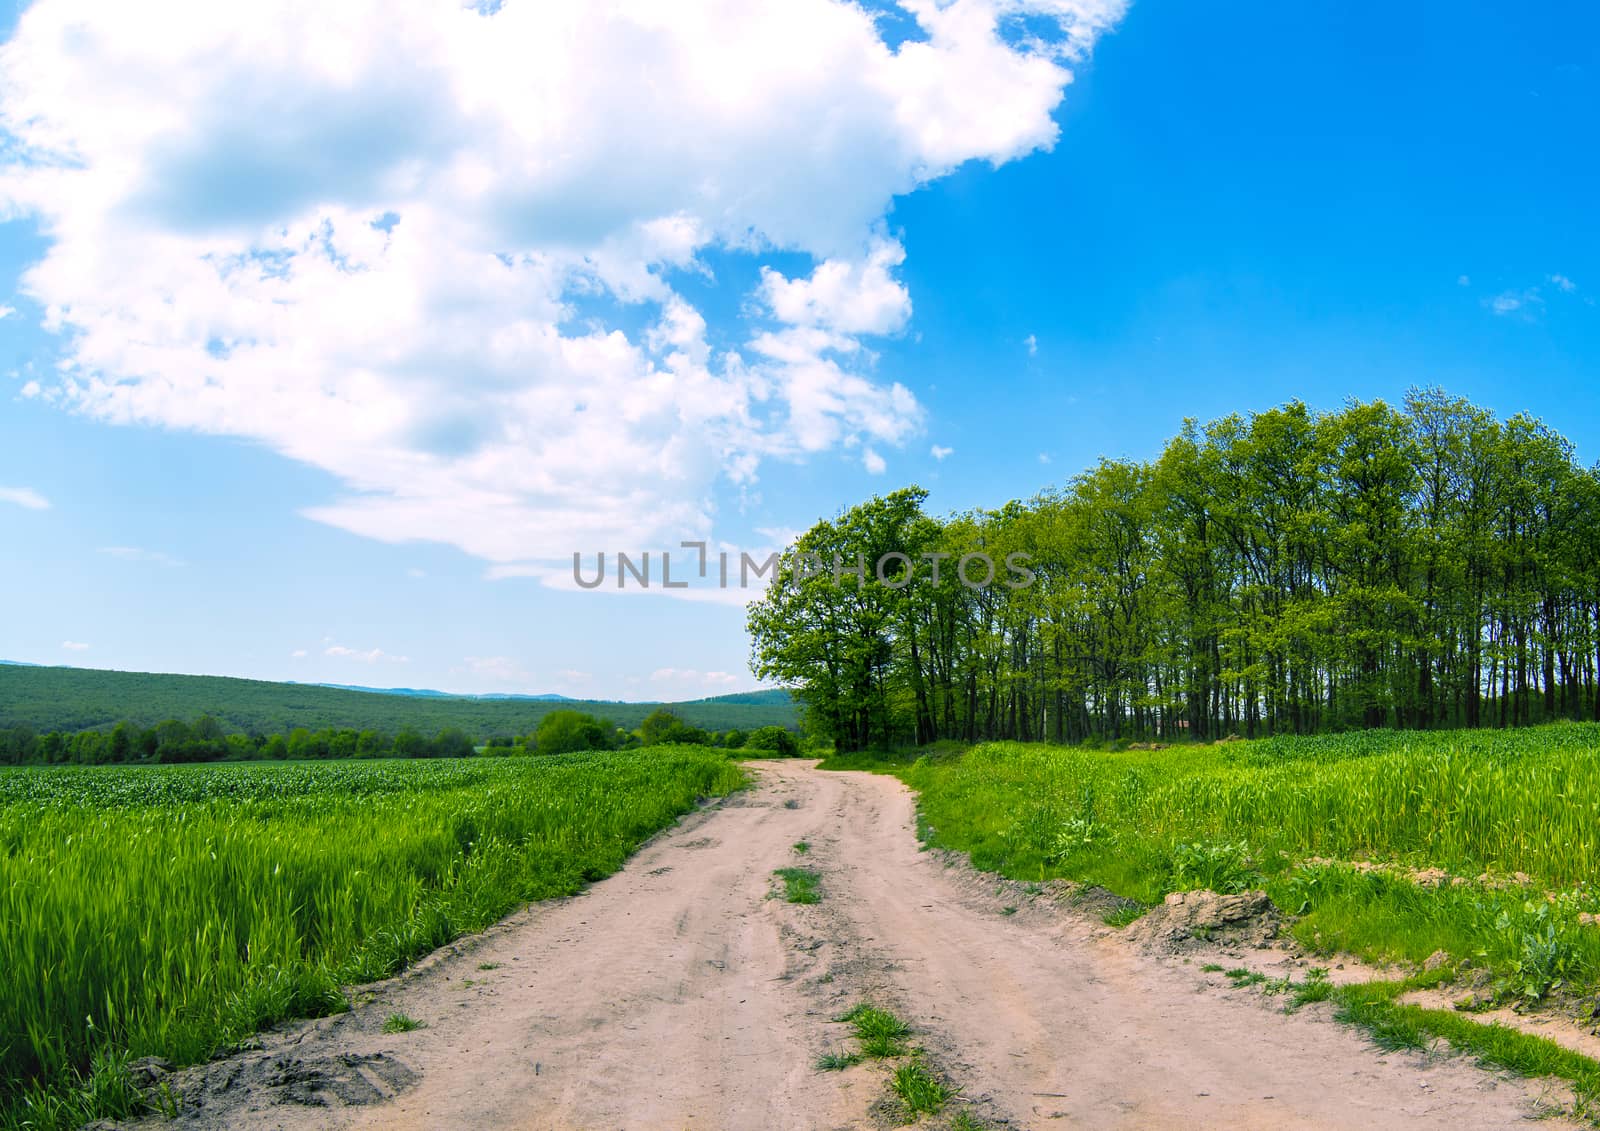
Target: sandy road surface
[[677, 995]]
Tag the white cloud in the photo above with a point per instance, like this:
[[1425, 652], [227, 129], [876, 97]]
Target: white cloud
[[692, 682], [1510, 302], [74, 646], [32, 389], [135, 554], [368, 656], [873, 462], [1563, 284], [1032, 343], [6, 311], [846, 297], [1044, 457], [1463, 280], [498, 669], [358, 234], [298, 654], [24, 497], [416, 574], [941, 454]]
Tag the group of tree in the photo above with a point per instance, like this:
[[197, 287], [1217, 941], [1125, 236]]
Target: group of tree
[[565, 731], [1286, 571], [205, 740]]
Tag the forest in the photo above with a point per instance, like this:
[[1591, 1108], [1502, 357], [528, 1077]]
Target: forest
[[1290, 571], [36, 700]]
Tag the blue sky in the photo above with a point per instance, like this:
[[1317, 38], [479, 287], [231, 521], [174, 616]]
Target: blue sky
[[376, 471]]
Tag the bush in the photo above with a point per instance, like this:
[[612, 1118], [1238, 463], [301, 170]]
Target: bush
[[561, 732], [775, 740], [662, 726]]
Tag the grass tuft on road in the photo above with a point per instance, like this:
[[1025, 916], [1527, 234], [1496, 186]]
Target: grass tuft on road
[[800, 885]]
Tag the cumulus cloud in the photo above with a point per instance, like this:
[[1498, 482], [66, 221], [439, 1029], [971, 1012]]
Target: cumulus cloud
[[361, 234], [25, 497], [1032, 343], [941, 454], [6, 311], [873, 462], [1562, 283]]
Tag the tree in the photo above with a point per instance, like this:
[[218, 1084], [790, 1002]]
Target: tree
[[777, 740], [563, 731], [663, 726], [452, 742]]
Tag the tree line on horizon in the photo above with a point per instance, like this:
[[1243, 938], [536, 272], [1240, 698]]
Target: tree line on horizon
[[1287, 571], [206, 740]]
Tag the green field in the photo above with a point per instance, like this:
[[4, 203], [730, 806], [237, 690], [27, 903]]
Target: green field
[[72, 699], [1448, 818], [175, 910]]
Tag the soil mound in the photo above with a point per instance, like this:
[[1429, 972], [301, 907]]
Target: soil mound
[[1190, 918]]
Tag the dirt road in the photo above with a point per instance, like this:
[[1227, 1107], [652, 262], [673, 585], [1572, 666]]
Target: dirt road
[[676, 994]]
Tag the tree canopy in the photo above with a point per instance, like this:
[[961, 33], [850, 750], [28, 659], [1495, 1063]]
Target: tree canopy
[[1286, 571]]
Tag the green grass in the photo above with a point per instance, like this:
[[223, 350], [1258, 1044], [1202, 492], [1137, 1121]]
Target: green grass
[[920, 1091], [1294, 816], [800, 885], [172, 911], [1393, 1025], [400, 1023], [801, 847], [1122, 916], [880, 1032], [837, 1061]]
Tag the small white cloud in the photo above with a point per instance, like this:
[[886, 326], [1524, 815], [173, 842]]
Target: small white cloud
[[298, 654], [6, 311], [1032, 343], [24, 497], [414, 572], [31, 390], [369, 656], [939, 453], [498, 669], [1463, 280], [74, 646], [1564, 284], [1509, 302], [873, 462], [135, 554], [692, 679], [1044, 457]]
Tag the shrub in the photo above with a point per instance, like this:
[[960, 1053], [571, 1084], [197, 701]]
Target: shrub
[[775, 740]]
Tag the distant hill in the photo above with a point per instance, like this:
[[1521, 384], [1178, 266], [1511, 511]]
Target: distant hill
[[72, 699], [425, 692]]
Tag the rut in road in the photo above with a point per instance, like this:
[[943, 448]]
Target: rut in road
[[676, 994]]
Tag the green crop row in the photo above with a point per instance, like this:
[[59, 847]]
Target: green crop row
[[173, 911]]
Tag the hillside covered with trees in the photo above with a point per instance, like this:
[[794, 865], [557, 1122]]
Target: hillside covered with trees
[[1287, 571], [43, 699]]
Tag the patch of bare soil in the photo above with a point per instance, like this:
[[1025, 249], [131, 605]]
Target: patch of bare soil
[[1190, 920], [677, 994]]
